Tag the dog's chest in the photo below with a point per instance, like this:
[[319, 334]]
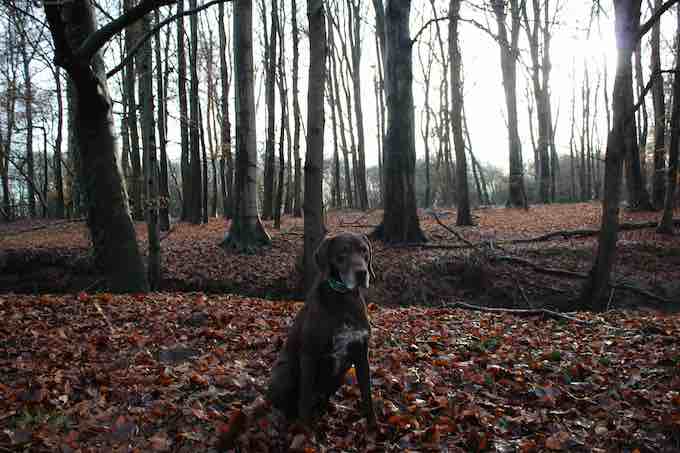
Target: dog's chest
[[344, 341]]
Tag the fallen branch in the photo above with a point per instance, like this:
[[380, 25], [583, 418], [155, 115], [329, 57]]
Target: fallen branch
[[452, 231], [520, 312], [572, 274], [566, 234]]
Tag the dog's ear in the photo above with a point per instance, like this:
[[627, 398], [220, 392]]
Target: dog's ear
[[370, 257], [321, 255]]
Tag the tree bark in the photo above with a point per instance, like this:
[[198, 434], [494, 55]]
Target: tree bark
[[509, 52], [283, 100], [658, 98], [400, 220], [226, 160], [313, 207], [354, 27], [464, 216], [619, 145], [136, 183], [111, 229], [60, 212], [161, 107], [270, 82], [184, 122], [246, 231], [297, 191], [152, 192], [195, 203], [28, 112], [666, 223]]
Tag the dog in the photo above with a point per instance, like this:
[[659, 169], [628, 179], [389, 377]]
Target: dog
[[329, 335]]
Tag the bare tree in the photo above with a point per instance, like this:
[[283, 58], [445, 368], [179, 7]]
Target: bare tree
[[161, 110], [400, 220], [313, 218], [659, 102], [509, 51], [76, 45], [666, 223], [464, 216], [246, 231], [297, 191], [226, 161], [270, 84]]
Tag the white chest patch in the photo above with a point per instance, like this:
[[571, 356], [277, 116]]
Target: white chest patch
[[342, 341]]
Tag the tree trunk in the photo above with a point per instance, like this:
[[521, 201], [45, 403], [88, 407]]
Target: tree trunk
[[269, 159], [111, 229], [195, 210], [620, 144], [509, 52], [427, 78], [332, 101], [246, 231], [666, 223], [136, 183], [226, 161], [28, 112], [297, 191], [75, 188], [204, 167], [60, 212], [354, 27], [161, 106], [349, 196], [658, 182], [184, 122], [464, 216], [313, 218], [400, 220], [152, 192]]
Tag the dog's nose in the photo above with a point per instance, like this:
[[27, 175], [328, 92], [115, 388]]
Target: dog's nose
[[361, 276]]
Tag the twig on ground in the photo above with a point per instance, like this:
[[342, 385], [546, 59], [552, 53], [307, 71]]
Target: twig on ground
[[106, 318], [520, 312]]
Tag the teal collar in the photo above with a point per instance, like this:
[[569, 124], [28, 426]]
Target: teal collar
[[338, 286]]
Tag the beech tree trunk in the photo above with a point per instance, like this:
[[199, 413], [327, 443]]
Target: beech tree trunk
[[184, 120], [226, 160], [297, 191], [666, 223], [195, 211], [354, 28], [270, 82], [136, 182], [620, 143], [313, 207], [60, 211], [111, 229], [161, 107], [152, 192], [658, 98], [400, 220], [464, 216], [246, 231], [28, 105], [509, 52]]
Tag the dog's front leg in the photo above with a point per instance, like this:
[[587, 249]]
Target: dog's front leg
[[364, 378], [307, 397]]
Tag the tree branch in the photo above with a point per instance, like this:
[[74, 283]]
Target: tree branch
[[644, 28], [155, 30], [98, 39]]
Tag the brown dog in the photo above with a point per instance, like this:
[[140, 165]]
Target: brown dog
[[329, 335]]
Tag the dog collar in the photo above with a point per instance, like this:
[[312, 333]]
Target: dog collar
[[338, 286]]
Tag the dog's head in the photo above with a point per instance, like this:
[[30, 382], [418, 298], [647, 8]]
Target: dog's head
[[347, 257]]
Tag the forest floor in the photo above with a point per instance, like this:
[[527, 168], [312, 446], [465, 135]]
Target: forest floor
[[172, 372], [84, 370], [477, 264]]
